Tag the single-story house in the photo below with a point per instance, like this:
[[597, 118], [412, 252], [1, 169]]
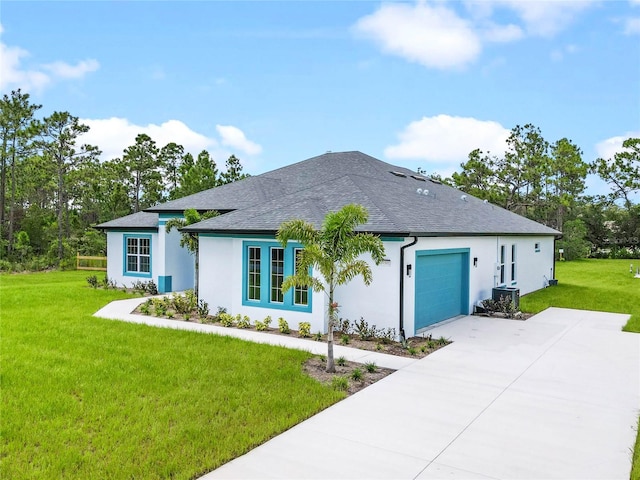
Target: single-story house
[[445, 250]]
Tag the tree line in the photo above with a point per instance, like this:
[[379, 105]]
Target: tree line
[[53, 187], [546, 182]]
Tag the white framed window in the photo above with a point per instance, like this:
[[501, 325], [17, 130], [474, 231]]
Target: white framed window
[[514, 271], [503, 260], [537, 247]]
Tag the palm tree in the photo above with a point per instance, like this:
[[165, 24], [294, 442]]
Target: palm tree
[[334, 252], [190, 240]]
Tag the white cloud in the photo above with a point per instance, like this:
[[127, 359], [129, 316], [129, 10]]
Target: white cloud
[[433, 36], [546, 18], [28, 78], [446, 141], [632, 26], [113, 135], [65, 70], [503, 33], [433, 33], [608, 148], [235, 138]]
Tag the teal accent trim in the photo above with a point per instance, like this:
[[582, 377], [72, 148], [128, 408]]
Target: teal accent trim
[[169, 216], [164, 283], [445, 251], [265, 277], [127, 273], [392, 239], [235, 235], [441, 285]]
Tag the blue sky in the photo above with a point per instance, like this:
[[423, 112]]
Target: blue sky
[[415, 84]]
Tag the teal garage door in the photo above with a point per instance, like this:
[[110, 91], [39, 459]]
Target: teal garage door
[[442, 285]]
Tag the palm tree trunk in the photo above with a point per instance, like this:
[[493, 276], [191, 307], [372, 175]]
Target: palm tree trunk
[[331, 368]]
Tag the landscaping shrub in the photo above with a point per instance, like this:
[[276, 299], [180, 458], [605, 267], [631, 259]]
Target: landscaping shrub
[[283, 326], [243, 322], [226, 319], [340, 383], [304, 329], [93, 281]]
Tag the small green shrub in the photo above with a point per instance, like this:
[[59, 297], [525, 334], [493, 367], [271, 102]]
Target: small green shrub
[[192, 300], [344, 339], [356, 375], [283, 326], [179, 303], [145, 308], [244, 322], [304, 329], [386, 336], [423, 348], [341, 361], [431, 344], [260, 326], [340, 383], [170, 314], [107, 283], [317, 336], [371, 367], [159, 307], [442, 341], [203, 309], [344, 326], [267, 320], [412, 351], [93, 281], [378, 346], [226, 319]]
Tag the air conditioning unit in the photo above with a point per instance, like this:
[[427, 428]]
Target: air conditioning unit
[[511, 293]]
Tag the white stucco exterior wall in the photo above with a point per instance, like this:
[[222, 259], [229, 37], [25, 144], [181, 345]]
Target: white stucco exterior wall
[[179, 263], [221, 269]]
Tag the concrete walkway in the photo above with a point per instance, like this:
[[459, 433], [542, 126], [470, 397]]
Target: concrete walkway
[[557, 396], [121, 310]]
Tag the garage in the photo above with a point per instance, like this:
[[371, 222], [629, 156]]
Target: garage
[[441, 285]]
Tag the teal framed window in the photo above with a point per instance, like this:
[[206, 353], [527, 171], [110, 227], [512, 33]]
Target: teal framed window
[[137, 256], [300, 294], [265, 265], [253, 274], [277, 274]]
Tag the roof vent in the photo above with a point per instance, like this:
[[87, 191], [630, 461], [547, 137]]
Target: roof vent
[[463, 198], [398, 174], [418, 177]]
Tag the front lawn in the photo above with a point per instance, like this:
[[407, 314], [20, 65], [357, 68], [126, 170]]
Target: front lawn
[[603, 285], [83, 397]]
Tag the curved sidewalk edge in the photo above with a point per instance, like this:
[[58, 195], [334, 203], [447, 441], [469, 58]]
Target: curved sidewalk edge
[[121, 310]]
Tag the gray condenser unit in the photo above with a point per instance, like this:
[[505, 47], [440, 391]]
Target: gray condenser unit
[[507, 292]]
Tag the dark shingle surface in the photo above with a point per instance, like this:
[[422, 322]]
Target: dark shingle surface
[[311, 188], [141, 220]]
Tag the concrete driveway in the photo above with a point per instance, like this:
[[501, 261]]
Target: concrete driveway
[[556, 396]]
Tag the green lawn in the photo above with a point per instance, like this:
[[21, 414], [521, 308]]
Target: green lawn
[[603, 285], [88, 398]]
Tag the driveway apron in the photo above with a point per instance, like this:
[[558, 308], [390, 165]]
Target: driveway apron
[[556, 396]]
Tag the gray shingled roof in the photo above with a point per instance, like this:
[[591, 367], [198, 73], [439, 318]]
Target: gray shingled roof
[[135, 221], [311, 188]]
